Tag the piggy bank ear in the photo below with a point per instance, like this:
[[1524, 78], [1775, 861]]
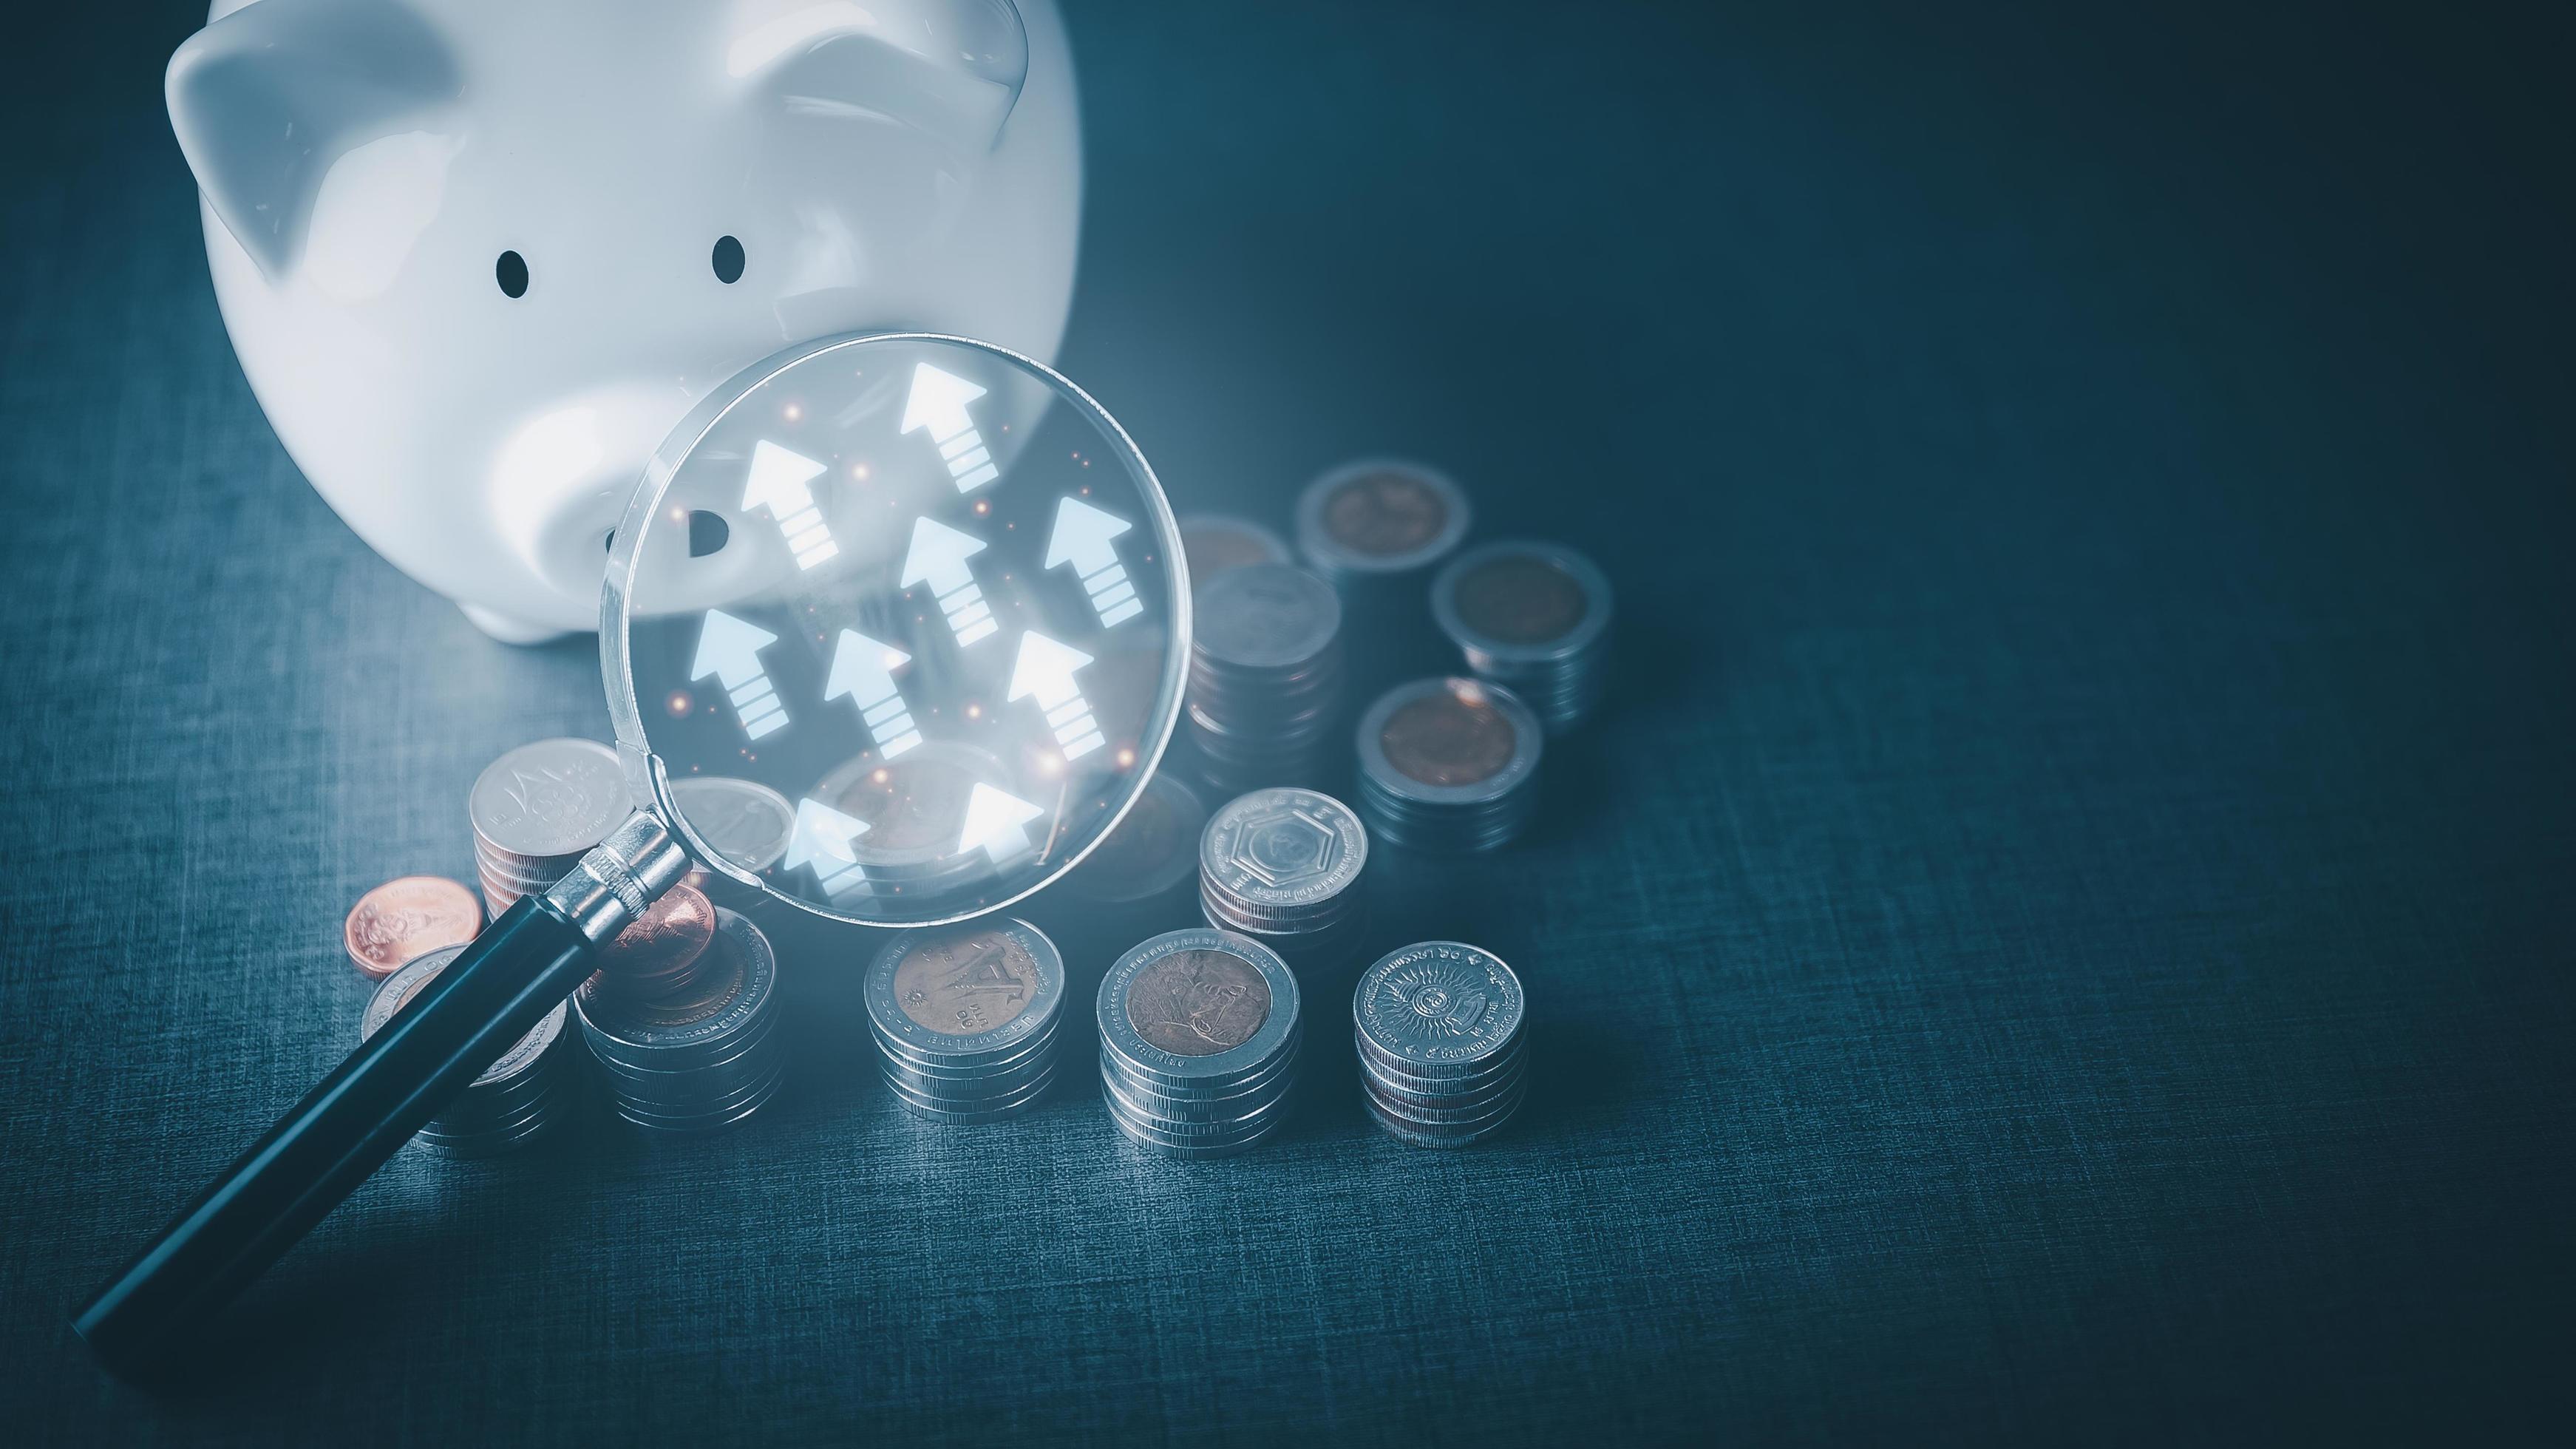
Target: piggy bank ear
[[265, 99], [951, 69]]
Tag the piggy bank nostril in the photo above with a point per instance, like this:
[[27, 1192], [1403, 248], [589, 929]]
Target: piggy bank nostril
[[511, 271], [728, 260], [707, 533]]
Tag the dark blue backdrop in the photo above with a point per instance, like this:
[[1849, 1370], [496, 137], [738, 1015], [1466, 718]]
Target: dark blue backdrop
[[2062, 934]]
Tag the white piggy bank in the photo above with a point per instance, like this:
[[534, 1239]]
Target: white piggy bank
[[479, 256]]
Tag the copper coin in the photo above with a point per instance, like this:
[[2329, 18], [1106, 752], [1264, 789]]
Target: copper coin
[[1197, 1003], [664, 943], [1452, 737], [1520, 600], [1385, 512], [405, 919]]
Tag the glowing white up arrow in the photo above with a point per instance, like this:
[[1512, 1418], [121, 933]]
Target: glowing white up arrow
[[1045, 670], [938, 558], [730, 649], [938, 402], [864, 670], [821, 839], [1082, 538], [779, 482], [996, 824]]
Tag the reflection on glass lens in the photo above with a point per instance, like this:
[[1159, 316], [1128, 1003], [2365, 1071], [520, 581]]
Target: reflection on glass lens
[[943, 626]]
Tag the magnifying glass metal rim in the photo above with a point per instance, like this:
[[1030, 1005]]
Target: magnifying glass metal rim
[[649, 778]]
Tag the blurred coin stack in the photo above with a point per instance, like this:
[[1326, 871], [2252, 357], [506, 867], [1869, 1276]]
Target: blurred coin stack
[[1212, 543], [743, 821], [1442, 1054], [1534, 617], [538, 810], [1449, 765], [515, 1099], [1265, 680], [1151, 852], [1283, 866], [1199, 1032], [704, 1053], [965, 1019], [912, 805], [1380, 522]]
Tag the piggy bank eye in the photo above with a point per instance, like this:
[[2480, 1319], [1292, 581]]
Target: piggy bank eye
[[512, 272], [728, 260]]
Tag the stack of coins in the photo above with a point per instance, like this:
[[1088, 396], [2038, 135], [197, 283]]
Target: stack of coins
[[1449, 765], [1379, 520], [1533, 616], [662, 951], [1441, 1049], [1265, 688], [698, 1058], [743, 821], [1213, 543], [538, 810], [1198, 1042], [513, 1101], [1283, 867], [1151, 852], [965, 1019]]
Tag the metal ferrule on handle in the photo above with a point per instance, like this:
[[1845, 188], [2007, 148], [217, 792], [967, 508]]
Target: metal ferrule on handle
[[493, 994]]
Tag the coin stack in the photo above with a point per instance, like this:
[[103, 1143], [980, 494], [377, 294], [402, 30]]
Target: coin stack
[[1379, 521], [1151, 852], [1449, 765], [1283, 867], [743, 821], [1442, 1054], [1534, 617], [912, 805], [538, 810], [1265, 683], [1214, 542], [1198, 1042], [965, 1019], [698, 1058], [515, 1099], [661, 952]]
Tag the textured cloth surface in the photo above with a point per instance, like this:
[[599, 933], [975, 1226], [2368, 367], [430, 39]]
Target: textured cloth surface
[[2060, 935]]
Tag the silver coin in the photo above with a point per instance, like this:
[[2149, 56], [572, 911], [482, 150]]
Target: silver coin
[[1023, 1095], [953, 1090], [1212, 543], [1152, 851], [913, 805], [742, 820], [1199, 1118], [1438, 1008], [699, 1125], [1282, 853], [553, 797], [1198, 1005], [1459, 1114], [1429, 1093], [1037, 1045], [694, 1104], [1265, 617], [1379, 517], [1448, 764], [965, 993], [1208, 1145]]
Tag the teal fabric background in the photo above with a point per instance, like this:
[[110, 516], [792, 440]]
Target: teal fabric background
[[2062, 934]]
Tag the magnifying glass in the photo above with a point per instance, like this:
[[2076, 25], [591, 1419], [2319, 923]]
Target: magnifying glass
[[921, 589]]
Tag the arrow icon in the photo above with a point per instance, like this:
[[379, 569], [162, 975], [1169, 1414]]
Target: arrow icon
[[821, 839], [996, 824], [938, 402], [1045, 671], [864, 670], [938, 558], [730, 649], [779, 482], [1082, 538]]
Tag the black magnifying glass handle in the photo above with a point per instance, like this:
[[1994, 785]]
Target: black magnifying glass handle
[[493, 994]]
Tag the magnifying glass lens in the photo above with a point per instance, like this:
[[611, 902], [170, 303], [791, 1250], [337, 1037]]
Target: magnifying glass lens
[[895, 628]]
